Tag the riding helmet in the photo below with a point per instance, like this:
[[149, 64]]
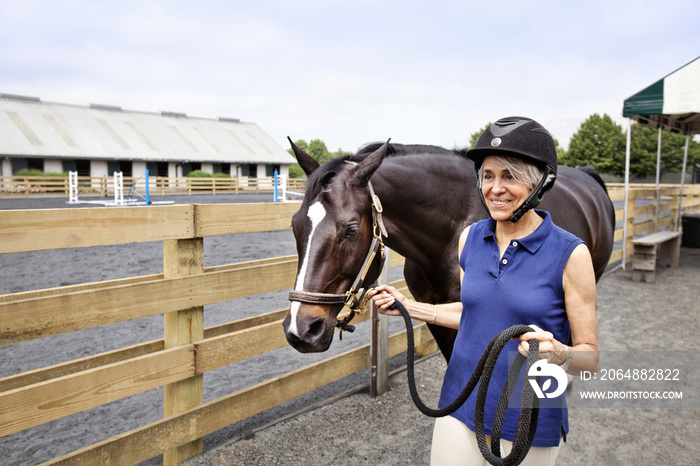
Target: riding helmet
[[523, 138]]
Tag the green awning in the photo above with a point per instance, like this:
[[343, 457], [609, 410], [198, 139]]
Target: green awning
[[672, 102]]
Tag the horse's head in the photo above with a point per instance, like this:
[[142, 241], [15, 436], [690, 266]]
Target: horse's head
[[335, 228]]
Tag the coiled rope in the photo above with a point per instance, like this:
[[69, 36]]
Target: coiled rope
[[527, 422]]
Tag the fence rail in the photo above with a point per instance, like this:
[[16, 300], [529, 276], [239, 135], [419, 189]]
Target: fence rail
[[648, 211], [29, 186], [187, 349], [175, 362]]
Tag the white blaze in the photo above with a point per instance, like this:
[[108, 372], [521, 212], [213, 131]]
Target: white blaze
[[316, 213]]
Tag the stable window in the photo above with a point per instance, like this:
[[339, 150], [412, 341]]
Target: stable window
[[271, 169], [250, 170], [82, 167], [163, 169], [36, 164], [125, 166]]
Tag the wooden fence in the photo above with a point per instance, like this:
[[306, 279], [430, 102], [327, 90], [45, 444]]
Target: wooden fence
[[158, 186], [187, 350], [647, 212]]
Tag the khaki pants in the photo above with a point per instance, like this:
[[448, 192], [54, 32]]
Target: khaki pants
[[454, 444]]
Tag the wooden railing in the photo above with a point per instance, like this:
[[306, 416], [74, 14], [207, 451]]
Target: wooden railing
[[187, 349], [643, 215], [158, 186]]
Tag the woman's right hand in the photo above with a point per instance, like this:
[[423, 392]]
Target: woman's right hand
[[384, 296]]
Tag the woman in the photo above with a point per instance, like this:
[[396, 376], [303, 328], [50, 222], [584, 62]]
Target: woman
[[520, 269]]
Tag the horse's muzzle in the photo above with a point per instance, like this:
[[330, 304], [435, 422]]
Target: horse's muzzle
[[312, 329]]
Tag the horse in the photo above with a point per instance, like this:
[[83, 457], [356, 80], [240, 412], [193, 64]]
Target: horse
[[421, 198]]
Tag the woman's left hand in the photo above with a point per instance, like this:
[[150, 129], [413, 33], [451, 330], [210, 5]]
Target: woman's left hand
[[548, 345]]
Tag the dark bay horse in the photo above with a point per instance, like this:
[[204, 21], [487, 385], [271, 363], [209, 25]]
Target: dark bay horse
[[429, 196]]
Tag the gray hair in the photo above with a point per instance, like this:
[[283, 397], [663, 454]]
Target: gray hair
[[524, 172]]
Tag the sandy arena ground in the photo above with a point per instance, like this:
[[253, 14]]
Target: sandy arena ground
[[389, 430], [341, 423], [46, 269]]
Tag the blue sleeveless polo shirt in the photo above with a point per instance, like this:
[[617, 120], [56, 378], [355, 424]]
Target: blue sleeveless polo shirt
[[523, 287]]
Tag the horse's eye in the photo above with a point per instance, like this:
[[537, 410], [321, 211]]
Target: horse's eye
[[351, 231]]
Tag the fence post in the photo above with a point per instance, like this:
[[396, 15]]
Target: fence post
[[183, 257], [379, 346], [629, 228], [676, 209]]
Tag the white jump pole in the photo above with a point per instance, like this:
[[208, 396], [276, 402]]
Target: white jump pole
[[658, 179], [680, 197], [72, 187], [277, 179], [118, 188], [627, 192], [284, 187]]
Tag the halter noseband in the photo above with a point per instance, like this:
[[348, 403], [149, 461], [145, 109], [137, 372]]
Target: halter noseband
[[355, 298]]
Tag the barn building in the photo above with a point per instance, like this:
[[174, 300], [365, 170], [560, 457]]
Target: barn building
[[97, 140]]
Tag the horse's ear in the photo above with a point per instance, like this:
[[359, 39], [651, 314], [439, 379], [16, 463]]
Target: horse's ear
[[306, 162], [363, 171]]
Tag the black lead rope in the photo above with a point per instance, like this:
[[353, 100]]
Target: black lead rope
[[527, 422]]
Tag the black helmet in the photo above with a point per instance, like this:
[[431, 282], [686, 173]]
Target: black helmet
[[523, 138]]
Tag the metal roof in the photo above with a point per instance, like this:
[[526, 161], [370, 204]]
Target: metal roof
[[32, 128]]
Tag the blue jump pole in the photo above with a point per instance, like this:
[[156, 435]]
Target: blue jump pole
[[148, 198]]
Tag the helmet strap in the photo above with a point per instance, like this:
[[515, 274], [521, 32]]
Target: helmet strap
[[535, 197]]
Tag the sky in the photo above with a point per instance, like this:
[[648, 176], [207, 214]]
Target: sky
[[349, 72]]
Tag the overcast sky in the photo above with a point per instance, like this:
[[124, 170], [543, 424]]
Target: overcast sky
[[349, 72]]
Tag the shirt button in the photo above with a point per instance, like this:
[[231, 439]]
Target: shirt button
[[515, 244], [504, 261]]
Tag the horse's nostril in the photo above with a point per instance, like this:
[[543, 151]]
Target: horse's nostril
[[316, 330]]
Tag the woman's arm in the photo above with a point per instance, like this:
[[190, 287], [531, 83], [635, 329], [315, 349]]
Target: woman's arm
[[445, 315], [580, 299]]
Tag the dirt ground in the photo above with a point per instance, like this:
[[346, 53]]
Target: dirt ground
[[389, 430], [46, 269], [341, 423]]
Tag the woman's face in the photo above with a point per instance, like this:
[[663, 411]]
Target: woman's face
[[502, 192]]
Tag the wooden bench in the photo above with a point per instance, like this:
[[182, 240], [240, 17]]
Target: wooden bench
[[644, 254]]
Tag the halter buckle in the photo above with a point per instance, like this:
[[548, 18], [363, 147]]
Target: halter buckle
[[377, 204], [357, 300]]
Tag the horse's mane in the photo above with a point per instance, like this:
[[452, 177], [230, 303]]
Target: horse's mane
[[406, 149], [329, 169], [592, 172]]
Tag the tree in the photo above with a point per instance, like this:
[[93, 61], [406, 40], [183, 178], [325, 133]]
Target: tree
[[644, 149], [475, 136], [317, 150], [600, 142], [340, 153], [295, 171]]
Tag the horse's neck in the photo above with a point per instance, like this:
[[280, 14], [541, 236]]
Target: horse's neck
[[425, 212]]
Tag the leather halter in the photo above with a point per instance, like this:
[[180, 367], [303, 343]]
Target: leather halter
[[355, 298]]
